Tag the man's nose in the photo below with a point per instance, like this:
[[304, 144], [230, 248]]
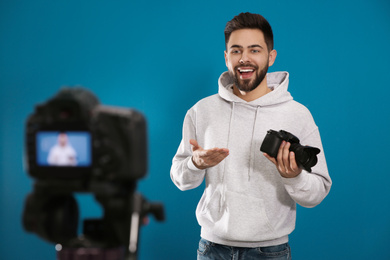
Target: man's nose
[[244, 57]]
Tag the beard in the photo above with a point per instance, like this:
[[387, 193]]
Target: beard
[[247, 85]]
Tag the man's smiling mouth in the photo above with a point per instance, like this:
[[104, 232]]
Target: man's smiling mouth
[[246, 72]]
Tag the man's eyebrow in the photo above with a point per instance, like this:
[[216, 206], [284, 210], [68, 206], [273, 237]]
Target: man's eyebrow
[[255, 46], [236, 46], [250, 46]]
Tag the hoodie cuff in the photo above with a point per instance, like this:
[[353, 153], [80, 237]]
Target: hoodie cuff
[[192, 166], [297, 183]]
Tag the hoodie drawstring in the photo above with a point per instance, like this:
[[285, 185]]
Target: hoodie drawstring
[[223, 193], [251, 161]]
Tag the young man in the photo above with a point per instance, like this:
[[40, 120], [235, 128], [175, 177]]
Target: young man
[[62, 153], [248, 207]]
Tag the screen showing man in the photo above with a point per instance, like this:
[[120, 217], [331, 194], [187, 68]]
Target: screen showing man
[[71, 149], [62, 153]]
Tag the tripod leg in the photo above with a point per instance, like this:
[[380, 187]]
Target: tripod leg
[[135, 224]]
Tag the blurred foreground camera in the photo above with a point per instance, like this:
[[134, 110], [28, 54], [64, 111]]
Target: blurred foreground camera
[[75, 144], [305, 156], [73, 137]]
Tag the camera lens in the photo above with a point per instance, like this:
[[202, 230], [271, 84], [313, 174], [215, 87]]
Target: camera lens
[[306, 156]]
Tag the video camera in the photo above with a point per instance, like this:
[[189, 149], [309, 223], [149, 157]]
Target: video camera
[[75, 144]]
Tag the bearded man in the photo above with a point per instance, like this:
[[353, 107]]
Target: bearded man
[[248, 208]]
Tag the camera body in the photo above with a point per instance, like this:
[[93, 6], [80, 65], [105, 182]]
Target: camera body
[[305, 156], [108, 143]]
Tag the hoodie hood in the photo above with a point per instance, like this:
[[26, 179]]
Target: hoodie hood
[[276, 81]]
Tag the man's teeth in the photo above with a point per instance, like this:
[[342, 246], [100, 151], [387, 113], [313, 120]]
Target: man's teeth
[[245, 70]]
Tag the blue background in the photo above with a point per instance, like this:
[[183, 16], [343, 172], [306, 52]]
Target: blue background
[[160, 57]]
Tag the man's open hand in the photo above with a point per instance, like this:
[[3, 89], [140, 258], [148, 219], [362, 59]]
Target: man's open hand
[[204, 159]]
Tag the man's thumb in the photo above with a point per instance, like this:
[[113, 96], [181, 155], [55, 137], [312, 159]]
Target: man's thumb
[[194, 144]]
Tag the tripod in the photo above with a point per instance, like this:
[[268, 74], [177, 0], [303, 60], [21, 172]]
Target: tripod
[[51, 212]]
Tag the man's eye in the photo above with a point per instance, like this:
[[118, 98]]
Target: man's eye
[[255, 51], [236, 51]]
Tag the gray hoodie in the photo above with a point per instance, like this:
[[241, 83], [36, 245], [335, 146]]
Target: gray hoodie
[[246, 202]]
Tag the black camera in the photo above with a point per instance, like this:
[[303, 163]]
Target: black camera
[[305, 156], [75, 144], [73, 137]]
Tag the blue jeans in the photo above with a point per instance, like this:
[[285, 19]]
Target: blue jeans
[[210, 251]]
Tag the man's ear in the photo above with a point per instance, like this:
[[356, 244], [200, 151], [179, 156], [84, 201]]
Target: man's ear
[[226, 58], [272, 57]]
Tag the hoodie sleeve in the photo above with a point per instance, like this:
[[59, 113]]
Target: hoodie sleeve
[[184, 173], [309, 189]]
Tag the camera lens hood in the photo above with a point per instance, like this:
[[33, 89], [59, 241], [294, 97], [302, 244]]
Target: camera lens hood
[[305, 156]]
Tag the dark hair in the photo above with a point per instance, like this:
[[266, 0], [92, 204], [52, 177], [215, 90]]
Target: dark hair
[[250, 21]]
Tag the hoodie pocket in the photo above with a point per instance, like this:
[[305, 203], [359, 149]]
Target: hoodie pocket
[[240, 217]]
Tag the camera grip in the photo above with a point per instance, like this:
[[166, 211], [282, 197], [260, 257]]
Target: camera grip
[[271, 144]]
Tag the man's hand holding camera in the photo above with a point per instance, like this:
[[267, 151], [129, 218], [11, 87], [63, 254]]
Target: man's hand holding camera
[[285, 151], [285, 161]]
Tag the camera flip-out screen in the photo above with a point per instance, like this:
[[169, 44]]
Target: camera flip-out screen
[[63, 149]]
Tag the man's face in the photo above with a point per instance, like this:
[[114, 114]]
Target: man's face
[[62, 139], [247, 58]]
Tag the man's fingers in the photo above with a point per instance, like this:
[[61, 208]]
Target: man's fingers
[[207, 158], [218, 151], [293, 163], [216, 154], [286, 156], [279, 157]]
